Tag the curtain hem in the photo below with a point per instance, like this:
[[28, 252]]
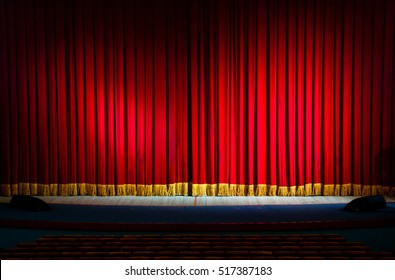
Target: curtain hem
[[185, 189]]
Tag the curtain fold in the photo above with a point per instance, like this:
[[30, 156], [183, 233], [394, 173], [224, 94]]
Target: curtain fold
[[155, 97]]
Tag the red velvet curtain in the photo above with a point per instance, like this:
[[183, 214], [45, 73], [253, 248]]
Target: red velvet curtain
[[221, 97]]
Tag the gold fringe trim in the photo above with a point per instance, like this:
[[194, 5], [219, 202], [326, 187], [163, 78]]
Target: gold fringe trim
[[15, 189], [5, 190], [110, 190], [292, 191], [357, 190], [160, 190], [317, 189], [212, 189], [338, 188], [53, 189], [131, 189], [172, 189], [232, 189], [377, 190], [34, 189], [345, 190], [308, 189], [120, 190], [282, 191], [82, 189], [272, 190], [101, 190], [329, 190], [223, 190], [241, 190], [91, 189], [251, 190], [261, 190], [300, 191], [182, 188], [24, 188], [199, 189], [366, 190]]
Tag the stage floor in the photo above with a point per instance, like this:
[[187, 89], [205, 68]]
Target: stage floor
[[195, 201]]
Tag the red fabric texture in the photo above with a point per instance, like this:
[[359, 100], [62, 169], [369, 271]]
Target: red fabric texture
[[281, 93]]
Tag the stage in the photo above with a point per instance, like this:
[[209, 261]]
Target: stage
[[163, 215], [195, 201], [181, 213]]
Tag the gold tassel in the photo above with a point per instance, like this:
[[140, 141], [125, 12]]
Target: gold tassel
[[33, 189], [346, 190], [121, 190], [182, 188], [282, 191], [24, 188], [155, 190], [212, 189], [110, 190], [374, 190], [14, 189], [159, 190], [261, 190], [178, 189], [82, 190], [101, 190], [73, 189], [300, 191], [240, 190], [53, 189], [232, 189], [43, 189], [149, 190], [273, 190], [357, 190], [317, 188], [172, 189], [223, 190], [91, 189], [366, 191], [308, 189], [251, 191], [63, 189], [338, 188], [131, 189], [5, 190], [141, 190], [377, 190], [329, 190], [195, 189], [185, 188], [203, 189], [292, 191]]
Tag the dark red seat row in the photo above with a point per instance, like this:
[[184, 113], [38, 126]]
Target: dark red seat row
[[193, 246]]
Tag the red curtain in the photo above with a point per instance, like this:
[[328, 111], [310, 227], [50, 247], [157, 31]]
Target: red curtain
[[221, 97]]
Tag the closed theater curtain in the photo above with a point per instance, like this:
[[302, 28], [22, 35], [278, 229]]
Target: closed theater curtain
[[223, 97]]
